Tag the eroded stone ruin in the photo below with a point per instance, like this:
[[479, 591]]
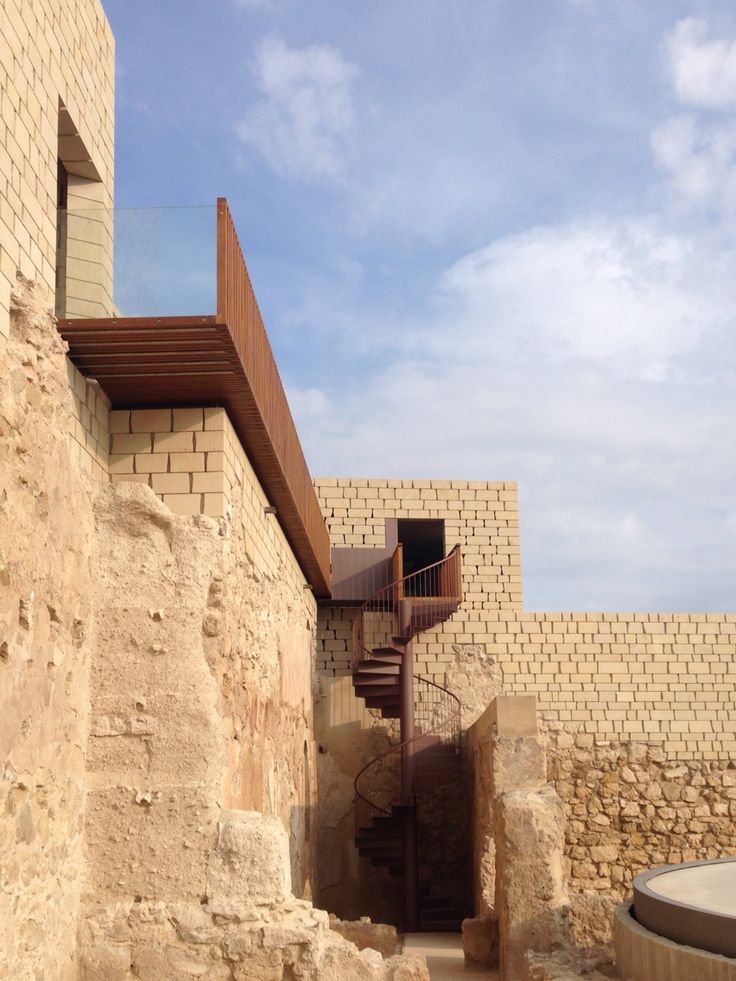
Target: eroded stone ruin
[[255, 726]]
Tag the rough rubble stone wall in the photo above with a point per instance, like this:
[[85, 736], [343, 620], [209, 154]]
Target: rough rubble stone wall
[[631, 805], [48, 52], [47, 608]]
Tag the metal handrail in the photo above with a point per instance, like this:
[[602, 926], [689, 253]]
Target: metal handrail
[[363, 805], [445, 572]]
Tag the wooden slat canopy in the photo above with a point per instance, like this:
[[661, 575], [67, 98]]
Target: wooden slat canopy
[[224, 360]]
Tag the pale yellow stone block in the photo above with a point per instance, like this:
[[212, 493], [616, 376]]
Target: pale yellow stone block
[[130, 443], [190, 462], [184, 503], [208, 483], [171, 483], [173, 442], [215, 419], [151, 462], [129, 478], [150, 420], [215, 505], [188, 420], [209, 441], [120, 463]]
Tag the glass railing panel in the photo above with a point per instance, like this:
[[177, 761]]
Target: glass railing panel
[[136, 262]]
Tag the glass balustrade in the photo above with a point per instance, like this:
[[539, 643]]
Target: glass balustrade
[[136, 262]]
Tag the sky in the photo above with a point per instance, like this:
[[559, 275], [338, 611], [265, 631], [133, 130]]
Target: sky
[[491, 240]]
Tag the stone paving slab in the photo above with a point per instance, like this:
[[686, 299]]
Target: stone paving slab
[[445, 959]]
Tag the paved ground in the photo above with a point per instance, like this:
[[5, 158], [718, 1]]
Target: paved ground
[[444, 953]]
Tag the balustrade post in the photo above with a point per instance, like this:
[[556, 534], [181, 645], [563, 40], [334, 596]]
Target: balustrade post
[[406, 708]]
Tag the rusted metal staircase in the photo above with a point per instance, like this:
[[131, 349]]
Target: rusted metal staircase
[[394, 792]]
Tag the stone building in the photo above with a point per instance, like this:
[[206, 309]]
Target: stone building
[[201, 648]]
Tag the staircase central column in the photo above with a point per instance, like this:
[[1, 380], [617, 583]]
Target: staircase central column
[[406, 715], [406, 703]]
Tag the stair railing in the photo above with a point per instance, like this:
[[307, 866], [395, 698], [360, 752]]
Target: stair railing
[[437, 709], [435, 593]]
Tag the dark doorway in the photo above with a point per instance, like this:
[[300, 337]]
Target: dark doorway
[[423, 541]]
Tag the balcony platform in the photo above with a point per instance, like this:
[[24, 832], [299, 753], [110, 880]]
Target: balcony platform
[[220, 360]]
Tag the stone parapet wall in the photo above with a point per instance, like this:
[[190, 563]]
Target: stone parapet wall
[[49, 52]]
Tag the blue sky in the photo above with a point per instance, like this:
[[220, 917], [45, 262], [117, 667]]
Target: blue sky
[[491, 240]]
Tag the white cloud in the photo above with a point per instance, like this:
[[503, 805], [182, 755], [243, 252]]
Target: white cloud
[[301, 124], [704, 71], [616, 293], [587, 359], [583, 360], [700, 158], [698, 150]]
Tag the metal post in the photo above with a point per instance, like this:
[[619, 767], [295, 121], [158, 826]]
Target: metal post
[[411, 868], [406, 708], [411, 872]]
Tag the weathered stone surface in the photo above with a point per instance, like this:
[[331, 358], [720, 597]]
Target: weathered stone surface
[[480, 940], [249, 865], [570, 965], [47, 605], [629, 807], [591, 918], [288, 939], [531, 896], [475, 676], [378, 936], [518, 764]]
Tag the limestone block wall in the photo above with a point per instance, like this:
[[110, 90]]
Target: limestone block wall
[[186, 455], [49, 53], [662, 677], [47, 616], [195, 463], [89, 437], [480, 517], [483, 519]]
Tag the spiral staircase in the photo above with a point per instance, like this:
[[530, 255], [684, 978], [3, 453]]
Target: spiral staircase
[[396, 794]]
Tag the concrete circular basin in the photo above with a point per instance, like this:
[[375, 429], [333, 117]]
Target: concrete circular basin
[[692, 904]]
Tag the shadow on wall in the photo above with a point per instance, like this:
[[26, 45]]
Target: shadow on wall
[[349, 886]]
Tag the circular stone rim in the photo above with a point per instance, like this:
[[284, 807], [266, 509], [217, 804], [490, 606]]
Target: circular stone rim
[[684, 923]]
